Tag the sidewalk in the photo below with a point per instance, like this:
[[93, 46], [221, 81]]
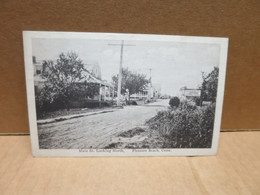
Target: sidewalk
[[67, 117]]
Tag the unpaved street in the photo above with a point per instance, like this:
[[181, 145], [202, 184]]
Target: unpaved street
[[96, 131]]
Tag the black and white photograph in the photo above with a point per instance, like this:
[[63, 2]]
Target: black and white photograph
[[111, 94]]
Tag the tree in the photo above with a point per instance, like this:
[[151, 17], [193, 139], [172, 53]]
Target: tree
[[210, 85], [174, 102], [64, 78], [132, 81]]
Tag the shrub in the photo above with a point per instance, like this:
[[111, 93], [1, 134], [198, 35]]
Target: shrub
[[174, 102], [197, 101], [132, 102], [188, 105], [186, 127], [43, 101]]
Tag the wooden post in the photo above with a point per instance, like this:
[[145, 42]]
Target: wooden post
[[120, 75], [105, 96], [99, 95], [113, 94], [120, 70], [109, 92]]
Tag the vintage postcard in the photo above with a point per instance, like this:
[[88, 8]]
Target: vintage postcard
[[112, 94]]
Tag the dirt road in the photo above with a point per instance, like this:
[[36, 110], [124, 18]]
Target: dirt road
[[96, 131]]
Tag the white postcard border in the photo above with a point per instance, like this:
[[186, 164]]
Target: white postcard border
[[27, 40]]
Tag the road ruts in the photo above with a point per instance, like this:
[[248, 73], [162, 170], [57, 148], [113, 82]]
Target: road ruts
[[96, 131]]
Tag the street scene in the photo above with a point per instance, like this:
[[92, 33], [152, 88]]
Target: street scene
[[122, 94], [98, 131]]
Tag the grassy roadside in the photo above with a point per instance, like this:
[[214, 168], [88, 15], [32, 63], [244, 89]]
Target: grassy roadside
[[187, 126], [65, 112]]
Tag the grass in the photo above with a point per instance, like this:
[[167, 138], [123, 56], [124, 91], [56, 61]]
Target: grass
[[65, 112], [188, 126]]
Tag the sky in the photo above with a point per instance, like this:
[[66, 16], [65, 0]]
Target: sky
[[173, 64]]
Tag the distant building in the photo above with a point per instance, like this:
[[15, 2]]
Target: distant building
[[157, 88], [150, 92], [190, 93], [193, 95], [38, 79]]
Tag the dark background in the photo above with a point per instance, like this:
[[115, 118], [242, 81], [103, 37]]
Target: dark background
[[238, 20]]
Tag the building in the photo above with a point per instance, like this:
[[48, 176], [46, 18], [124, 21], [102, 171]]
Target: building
[[193, 95], [157, 88], [190, 93], [94, 69], [92, 74], [150, 92], [37, 73]]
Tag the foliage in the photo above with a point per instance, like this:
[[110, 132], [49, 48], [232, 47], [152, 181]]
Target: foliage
[[43, 100], [209, 85], [88, 90], [132, 81], [196, 100], [65, 80], [188, 126], [174, 102]]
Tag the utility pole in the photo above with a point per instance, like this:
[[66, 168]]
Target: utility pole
[[150, 76], [120, 70], [150, 85]]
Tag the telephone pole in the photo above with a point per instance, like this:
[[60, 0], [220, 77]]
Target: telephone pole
[[150, 85], [120, 69], [150, 76]]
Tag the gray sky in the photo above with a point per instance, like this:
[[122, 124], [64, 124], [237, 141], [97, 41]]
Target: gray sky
[[173, 64]]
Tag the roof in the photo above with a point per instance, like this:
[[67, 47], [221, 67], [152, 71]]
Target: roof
[[91, 78]]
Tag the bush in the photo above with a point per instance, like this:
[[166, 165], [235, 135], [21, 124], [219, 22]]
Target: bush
[[174, 102], [43, 101], [188, 105], [186, 127], [132, 102], [197, 101], [45, 104]]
